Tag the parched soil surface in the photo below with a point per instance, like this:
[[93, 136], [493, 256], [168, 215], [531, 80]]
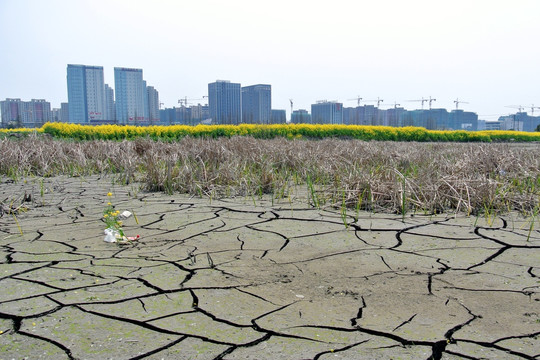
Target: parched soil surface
[[251, 278]]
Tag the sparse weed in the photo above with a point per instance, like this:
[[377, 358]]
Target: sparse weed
[[534, 216]]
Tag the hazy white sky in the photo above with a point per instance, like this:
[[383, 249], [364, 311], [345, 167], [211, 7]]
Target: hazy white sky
[[485, 52]]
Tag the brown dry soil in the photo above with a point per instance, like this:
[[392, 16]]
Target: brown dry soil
[[250, 278]]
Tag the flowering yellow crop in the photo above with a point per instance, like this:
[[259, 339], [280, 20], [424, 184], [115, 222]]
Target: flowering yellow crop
[[291, 131]]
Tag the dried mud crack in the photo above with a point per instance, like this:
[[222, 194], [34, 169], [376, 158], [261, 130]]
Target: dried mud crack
[[246, 278]]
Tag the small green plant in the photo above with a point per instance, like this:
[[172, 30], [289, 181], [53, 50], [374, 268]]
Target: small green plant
[[110, 217], [312, 192], [41, 188], [42, 191], [533, 219], [343, 210]]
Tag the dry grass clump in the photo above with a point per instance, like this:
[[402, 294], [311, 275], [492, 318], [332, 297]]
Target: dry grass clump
[[377, 176]]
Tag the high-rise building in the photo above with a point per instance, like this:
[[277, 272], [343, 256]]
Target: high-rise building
[[167, 116], [19, 113], [300, 116], [393, 116], [64, 112], [110, 112], [146, 108], [350, 116], [55, 115], [131, 96], [11, 112], [38, 112], [278, 116], [86, 93], [199, 113], [418, 118], [369, 115], [225, 102], [520, 121], [437, 119], [257, 104], [153, 103], [432, 119], [463, 120], [183, 115], [327, 112]]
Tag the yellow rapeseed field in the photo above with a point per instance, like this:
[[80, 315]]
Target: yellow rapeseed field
[[312, 131]]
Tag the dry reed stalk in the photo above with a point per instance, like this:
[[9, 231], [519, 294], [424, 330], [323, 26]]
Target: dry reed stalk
[[381, 176]]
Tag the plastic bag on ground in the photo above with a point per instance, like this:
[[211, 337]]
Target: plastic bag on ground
[[110, 235]]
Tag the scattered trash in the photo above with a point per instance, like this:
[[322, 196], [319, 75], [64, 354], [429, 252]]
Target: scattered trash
[[124, 215], [113, 219], [112, 236]]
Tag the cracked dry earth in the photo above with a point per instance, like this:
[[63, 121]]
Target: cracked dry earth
[[251, 279]]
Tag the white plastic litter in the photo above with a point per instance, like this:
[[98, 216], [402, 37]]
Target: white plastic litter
[[110, 235], [124, 215]]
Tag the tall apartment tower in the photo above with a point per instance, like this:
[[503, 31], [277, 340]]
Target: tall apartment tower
[[257, 104], [225, 102], [131, 96], [153, 103], [64, 112], [327, 112], [19, 113], [11, 110], [86, 93], [279, 116], [110, 112], [300, 117]]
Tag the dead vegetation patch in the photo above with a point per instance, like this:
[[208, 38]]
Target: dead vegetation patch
[[377, 176]]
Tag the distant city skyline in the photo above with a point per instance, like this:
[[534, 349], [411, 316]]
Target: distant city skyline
[[482, 52], [93, 99], [228, 105]]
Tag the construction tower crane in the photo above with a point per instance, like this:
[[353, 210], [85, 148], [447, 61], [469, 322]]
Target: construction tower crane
[[422, 101], [519, 107], [457, 102], [378, 101], [429, 101], [185, 100], [358, 99], [394, 105], [532, 109]]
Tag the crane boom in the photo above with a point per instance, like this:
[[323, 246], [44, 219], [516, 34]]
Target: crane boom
[[378, 101], [421, 100], [394, 105], [429, 101], [519, 107], [457, 102], [358, 99], [185, 100]]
